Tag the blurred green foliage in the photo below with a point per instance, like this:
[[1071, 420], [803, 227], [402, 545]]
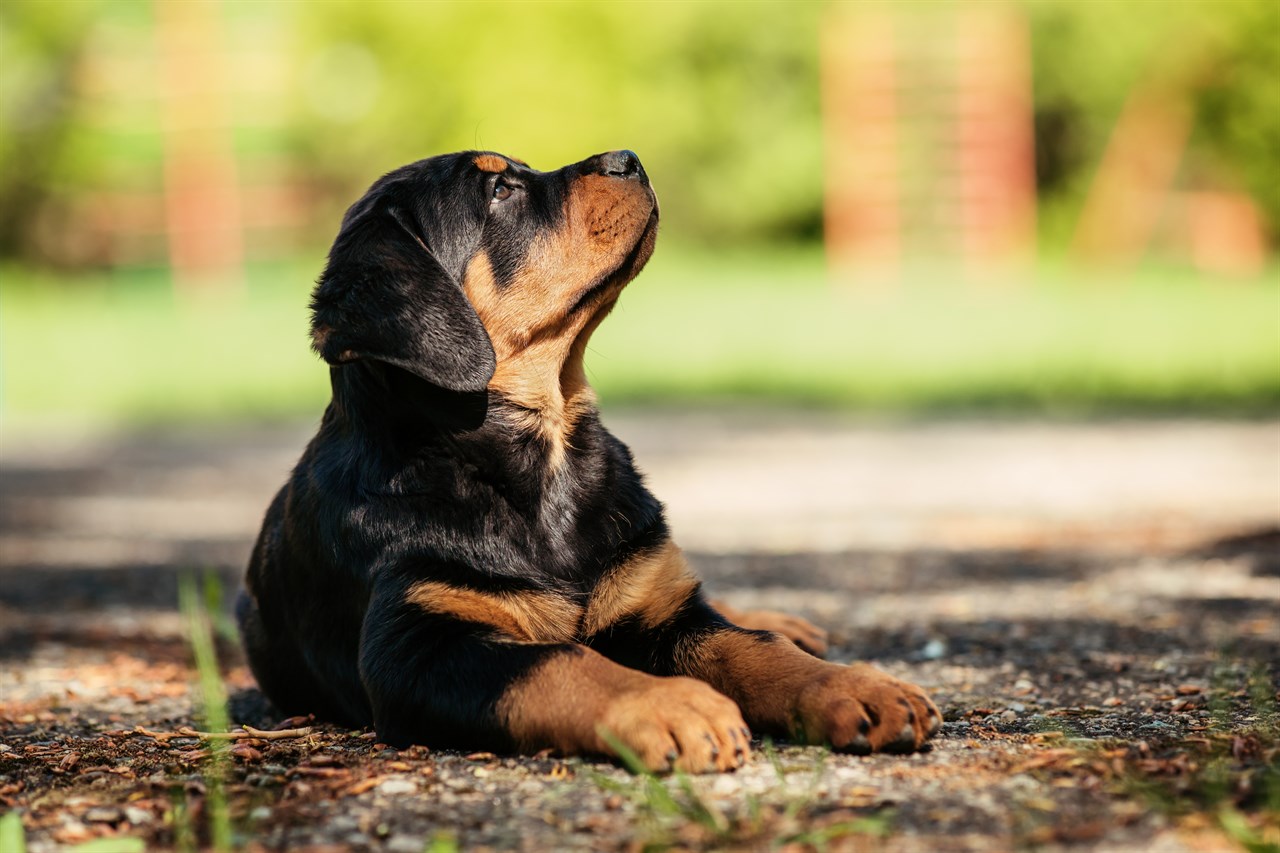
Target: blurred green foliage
[[1087, 59], [40, 44], [721, 100]]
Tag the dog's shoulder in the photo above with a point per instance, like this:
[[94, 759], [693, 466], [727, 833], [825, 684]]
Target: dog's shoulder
[[488, 499]]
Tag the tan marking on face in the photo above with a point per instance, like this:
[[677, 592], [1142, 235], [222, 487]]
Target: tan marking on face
[[538, 344], [490, 163], [525, 616], [650, 588]]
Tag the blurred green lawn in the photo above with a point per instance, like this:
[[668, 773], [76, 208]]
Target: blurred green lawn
[[695, 327]]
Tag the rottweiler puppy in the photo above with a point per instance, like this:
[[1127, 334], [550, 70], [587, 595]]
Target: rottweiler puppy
[[464, 557]]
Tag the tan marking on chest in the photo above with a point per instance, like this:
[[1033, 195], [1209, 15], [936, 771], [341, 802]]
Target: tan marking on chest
[[650, 587], [525, 616], [539, 354]]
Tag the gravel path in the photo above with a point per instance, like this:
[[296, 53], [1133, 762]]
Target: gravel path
[[1096, 608]]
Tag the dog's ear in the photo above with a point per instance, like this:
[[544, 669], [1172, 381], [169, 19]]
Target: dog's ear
[[385, 296]]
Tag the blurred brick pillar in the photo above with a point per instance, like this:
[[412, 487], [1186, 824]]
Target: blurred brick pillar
[[1133, 181], [201, 196], [995, 144], [863, 219], [950, 88]]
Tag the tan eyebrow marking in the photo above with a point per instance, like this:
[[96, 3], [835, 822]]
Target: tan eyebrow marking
[[490, 163]]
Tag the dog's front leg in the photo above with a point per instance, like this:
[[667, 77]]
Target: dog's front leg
[[780, 689], [802, 632], [460, 668]]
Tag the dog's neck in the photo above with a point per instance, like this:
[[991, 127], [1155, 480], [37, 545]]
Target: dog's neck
[[544, 382], [538, 393]]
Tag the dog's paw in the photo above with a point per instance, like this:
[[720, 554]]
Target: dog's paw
[[677, 724], [860, 709], [802, 632]]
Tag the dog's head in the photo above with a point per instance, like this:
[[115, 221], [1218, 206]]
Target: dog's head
[[465, 264]]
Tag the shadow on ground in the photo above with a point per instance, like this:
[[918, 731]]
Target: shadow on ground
[[1096, 698]]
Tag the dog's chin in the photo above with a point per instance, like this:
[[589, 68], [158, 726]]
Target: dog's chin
[[611, 284], [633, 262], [639, 256]]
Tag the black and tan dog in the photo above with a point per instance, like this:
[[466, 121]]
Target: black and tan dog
[[464, 556]]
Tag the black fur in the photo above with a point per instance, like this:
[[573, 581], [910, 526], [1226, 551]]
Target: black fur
[[418, 473]]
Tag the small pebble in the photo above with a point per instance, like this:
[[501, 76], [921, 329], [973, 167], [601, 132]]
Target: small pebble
[[404, 844], [397, 786], [343, 823], [725, 785], [137, 816], [933, 650]]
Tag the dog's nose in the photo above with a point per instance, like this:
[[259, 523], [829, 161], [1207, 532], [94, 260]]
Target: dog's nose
[[622, 164]]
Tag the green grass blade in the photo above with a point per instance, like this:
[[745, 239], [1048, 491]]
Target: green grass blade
[[12, 837]]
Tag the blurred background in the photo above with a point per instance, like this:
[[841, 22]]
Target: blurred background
[[962, 339], [1046, 207]]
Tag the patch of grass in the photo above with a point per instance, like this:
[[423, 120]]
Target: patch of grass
[[674, 813], [1225, 777], [1056, 342], [1239, 766], [442, 843], [655, 802], [1230, 777], [197, 605], [12, 836], [123, 350], [694, 328], [115, 844]]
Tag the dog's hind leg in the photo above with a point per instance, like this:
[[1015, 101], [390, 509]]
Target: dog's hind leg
[[279, 669]]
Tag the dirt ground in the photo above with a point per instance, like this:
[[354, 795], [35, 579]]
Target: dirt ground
[[1096, 608]]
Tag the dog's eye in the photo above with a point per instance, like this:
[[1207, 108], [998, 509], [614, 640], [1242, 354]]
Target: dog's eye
[[501, 190]]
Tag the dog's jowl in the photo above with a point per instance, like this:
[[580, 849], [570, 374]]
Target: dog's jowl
[[463, 556]]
